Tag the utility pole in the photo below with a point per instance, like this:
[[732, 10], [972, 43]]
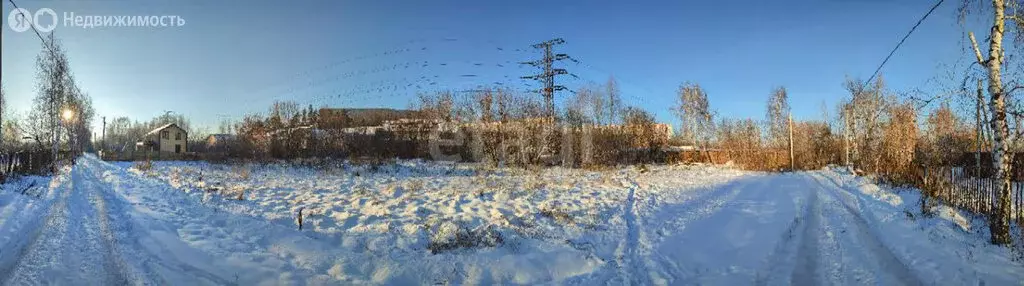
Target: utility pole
[[847, 129], [547, 76], [792, 161], [103, 142]]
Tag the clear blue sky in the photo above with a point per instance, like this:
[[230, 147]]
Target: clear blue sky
[[234, 57]]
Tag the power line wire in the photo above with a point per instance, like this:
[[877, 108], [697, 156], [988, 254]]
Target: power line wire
[[901, 42]]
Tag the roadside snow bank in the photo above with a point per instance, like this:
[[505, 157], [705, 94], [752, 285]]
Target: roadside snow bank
[[24, 202], [944, 248]]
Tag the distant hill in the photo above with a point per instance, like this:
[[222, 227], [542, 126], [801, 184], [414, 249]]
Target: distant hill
[[357, 117]]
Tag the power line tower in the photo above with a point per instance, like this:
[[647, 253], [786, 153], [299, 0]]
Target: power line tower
[[547, 76]]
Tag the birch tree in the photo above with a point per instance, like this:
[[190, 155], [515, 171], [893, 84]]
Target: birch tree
[[694, 113], [54, 87], [999, 218], [614, 100], [864, 117], [777, 115]]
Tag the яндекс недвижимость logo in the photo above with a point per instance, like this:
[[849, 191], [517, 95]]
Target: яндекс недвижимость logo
[[21, 20], [45, 20]]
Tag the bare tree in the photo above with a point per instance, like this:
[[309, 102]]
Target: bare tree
[[899, 140], [225, 127], [587, 107], [3, 109], [80, 122], [437, 106], [577, 109], [944, 137], [685, 109], [694, 111], [118, 133], [485, 105], [54, 86], [640, 124], [614, 101], [864, 117], [777, 116]]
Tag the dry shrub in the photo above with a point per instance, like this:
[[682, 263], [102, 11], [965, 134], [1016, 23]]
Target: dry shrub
[[558, 215], [241, 172], [241, 195], [535, 183], [449, 236], [143, 165], [480, 193], [362, 191], [414, 185], [175, 175]]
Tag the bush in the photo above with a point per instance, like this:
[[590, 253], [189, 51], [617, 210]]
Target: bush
[[143, 165], [558, 215], [450, 236], [241, 171]]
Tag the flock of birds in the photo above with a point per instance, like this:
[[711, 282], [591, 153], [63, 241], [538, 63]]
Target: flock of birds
[[365, 77]]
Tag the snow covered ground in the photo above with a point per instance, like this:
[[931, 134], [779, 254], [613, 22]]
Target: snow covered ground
[[415, 222]]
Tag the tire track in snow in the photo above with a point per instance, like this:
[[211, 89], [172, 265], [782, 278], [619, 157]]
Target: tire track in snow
[[782, 258], [150, 263], [805, 271], [700, 206], [815, 250], [884, 262], [630, 257], [101, 239], [70, 246], [126, 246]]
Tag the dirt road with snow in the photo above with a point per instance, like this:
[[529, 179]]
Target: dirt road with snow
[[73, 245], [100, 224], [103, 226], [809, 228]]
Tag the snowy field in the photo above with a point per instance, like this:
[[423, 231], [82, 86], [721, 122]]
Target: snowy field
[[415, 222]]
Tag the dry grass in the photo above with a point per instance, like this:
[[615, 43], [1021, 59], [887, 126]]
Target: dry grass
[[534, 184], [598, 167]]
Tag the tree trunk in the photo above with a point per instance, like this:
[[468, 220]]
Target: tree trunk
[[977, 143], [999, 220]]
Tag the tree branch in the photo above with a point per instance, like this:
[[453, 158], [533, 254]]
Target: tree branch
[[1013, 89], [977, 52]]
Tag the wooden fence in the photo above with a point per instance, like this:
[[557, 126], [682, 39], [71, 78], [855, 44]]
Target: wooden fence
[[29, 162], [957, 187], [132, 155]]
